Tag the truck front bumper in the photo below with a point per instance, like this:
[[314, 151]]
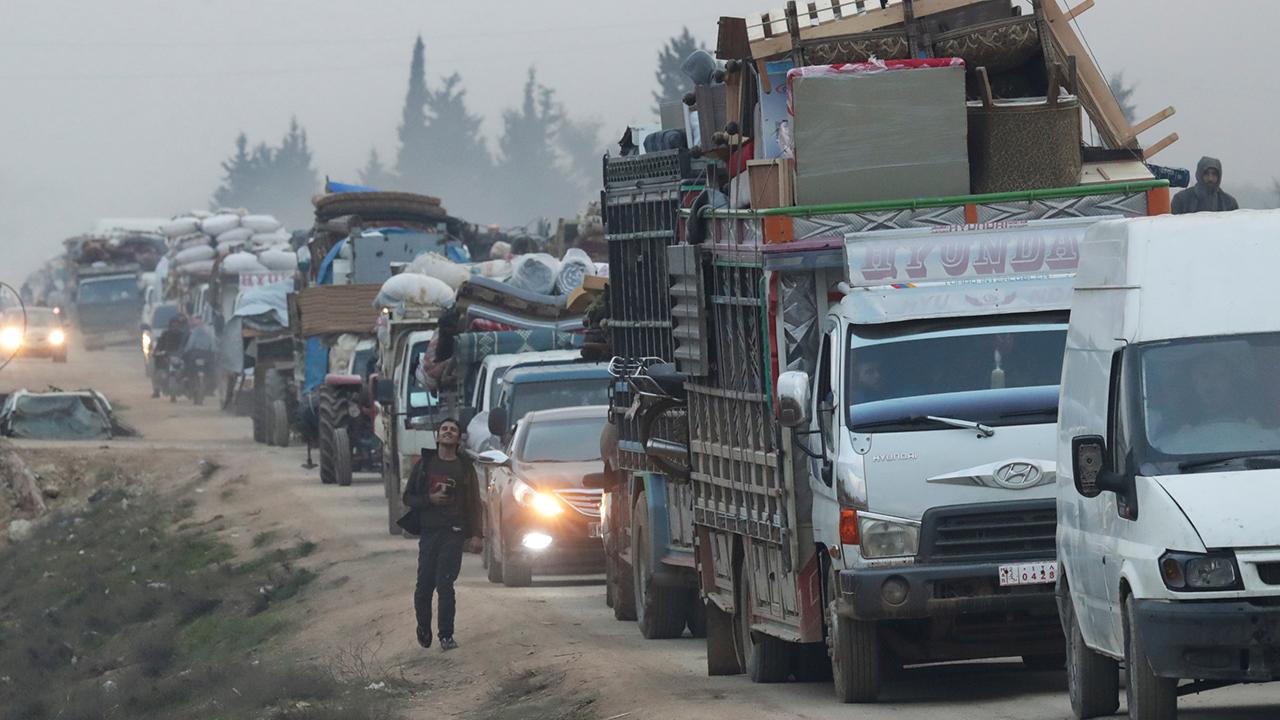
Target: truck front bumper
[[1233, 641], [936, 590]]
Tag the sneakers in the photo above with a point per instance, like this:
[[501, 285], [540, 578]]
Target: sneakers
[[448, 643], [424, 638]]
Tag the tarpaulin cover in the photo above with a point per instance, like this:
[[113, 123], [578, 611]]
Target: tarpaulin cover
[[315, 365], [476, 346], [57, 417], [265, 303], [337, 187]]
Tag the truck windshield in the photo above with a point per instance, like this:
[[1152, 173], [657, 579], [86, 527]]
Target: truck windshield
[[1211, 398], [549, 394], [575, 440], [419, 397], [1005, 375], [110, 290]]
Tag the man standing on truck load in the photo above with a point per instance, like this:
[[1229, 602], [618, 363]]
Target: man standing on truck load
[[1207, 194], [442, 490]]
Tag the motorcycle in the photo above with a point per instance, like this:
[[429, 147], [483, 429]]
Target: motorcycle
[[198, 378], [174, 376]]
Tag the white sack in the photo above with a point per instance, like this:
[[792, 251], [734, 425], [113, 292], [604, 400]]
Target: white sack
[[414, 289], [280, 235], [180, 226], [574, 267], [194, 254], [260, 223], [236, 263], [197, 267], [235, 235], [441, 268], [217, 224], [535, 272], [279, 260]]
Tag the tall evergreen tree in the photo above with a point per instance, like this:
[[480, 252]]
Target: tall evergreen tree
[[240, 176], [580, 142], [414, 155], [672, 82], [534, 183], [277, 180], [458, 163], [375, 174], [1124, 96]]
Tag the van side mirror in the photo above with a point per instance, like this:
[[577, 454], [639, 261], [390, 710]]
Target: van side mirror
[[1089, 466], [498, 422], [385, 391], [793, 399]]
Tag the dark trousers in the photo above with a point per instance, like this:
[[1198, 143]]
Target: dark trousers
[[439, 562]]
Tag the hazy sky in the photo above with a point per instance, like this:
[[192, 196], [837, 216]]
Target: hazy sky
[[126, 107]]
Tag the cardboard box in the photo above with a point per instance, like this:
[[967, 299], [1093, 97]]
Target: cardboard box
[[865, 133], [772, 183]]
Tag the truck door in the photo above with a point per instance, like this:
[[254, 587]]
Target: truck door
[[822, 437]]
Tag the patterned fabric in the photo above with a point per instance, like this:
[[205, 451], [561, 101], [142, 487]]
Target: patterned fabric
[[856, 49], [473, 347], [1024, 146], [998, 46]]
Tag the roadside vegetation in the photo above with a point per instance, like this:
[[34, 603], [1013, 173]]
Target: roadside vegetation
[[126, 608]]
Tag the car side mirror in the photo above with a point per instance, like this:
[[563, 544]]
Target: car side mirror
[[793, 399], [493, 457], [1089, 466], [385, 391], [498, 421]]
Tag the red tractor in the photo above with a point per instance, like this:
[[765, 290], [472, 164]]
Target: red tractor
[[345, 429]]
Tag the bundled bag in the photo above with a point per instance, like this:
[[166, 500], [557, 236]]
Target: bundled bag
[[180, 226], [281, 260], [194, 254], [275, 237], [535, 272], [260, 223], [413, 289], [441, 268], [217, 224], [242, 262], [235, 235], [574, 268]]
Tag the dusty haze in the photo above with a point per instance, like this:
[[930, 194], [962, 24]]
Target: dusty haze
[[127, 107]]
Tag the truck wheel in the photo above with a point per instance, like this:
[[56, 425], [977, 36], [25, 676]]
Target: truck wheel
[[1149, 697], [697, 620], [624, 593], [279, 426], [1093, 679], [660, 611], [341, 457], [492, 566], [514, 572], [855, 658], [256, 415], [765, 659], [722, 655], [324, 437]]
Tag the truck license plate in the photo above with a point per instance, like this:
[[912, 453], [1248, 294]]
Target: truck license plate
[[1036, 573], [593, 529]]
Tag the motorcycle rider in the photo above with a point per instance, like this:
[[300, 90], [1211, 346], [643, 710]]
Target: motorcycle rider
[[200, 343], [170, 342]]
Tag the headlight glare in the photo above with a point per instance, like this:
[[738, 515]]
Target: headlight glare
[[1199, 572], [57, 336], [542, 503], [886, 537], [11, 338]]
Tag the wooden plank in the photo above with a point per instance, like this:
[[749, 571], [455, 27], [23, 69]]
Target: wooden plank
[[1094, 92], [1079, 10], [1154, 120], [777, 43], [1164, 143]]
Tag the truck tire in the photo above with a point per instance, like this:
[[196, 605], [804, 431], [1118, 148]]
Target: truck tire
[[493, 568], [1093, 679], [855, 658], [722, 655], [256, 415], [278, 430], [514, 572], [324, 435], [697, 620], [1148, 697], [624, 593], [661, 612], [341, 457], [764, 659]]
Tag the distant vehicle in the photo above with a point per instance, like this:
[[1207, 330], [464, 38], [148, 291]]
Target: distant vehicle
[[526, 390], [540, 516], [153, 325], [104, 301], [42, 334]]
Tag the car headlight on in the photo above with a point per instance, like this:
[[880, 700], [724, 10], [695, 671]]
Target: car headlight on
[[541, 503], [1200, 572], [11, 338], [883, 537], [146, 343], [57, 336]]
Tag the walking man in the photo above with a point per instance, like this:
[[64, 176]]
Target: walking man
[[1207, 194], [442, 489]]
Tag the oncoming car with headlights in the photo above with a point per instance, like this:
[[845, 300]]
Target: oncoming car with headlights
[[42, 334], [540, 515]]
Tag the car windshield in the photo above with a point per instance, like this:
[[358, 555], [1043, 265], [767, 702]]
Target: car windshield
[[576, 440], [1211, 396], [114, 290], [36, 318], [419, 397], [528, 397], [1004, 375]]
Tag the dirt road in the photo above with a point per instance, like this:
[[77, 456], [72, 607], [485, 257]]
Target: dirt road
[[549, 651]]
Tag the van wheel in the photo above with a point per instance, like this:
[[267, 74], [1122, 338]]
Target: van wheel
[[855, 658], [1148, 697], [764, 659], [722, 656], [660, 611], [1093, 679]]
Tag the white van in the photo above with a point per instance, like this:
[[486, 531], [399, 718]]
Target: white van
[[1169, 461]]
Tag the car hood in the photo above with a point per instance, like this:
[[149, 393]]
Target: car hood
[[1229, 509], [556, 475]]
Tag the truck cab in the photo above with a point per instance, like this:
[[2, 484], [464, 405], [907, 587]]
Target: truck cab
[[107, 301], [407, 413], [1169, 461]]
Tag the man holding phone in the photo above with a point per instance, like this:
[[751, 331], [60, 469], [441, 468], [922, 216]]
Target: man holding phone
[[442, 490]]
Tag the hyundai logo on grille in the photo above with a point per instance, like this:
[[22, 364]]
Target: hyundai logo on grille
[[1017, 475]]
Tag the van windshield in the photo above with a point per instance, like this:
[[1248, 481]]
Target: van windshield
[[528, 397], [1005, 375], [113, 290], [1210, 396]]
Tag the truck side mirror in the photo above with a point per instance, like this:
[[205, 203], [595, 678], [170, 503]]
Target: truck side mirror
[[498, 422], [385, 390], [1089, 466], [793, 399]]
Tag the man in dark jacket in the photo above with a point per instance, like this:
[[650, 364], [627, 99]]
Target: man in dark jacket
[[443, 489], [169, 343], [1207, 194]]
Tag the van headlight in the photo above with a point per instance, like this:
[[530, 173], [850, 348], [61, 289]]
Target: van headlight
[[884, 537], [1200, 572]]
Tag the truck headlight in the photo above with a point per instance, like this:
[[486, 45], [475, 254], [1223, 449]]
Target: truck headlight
[[541, 503], [11, 338], [888, 537], [1200, 572]]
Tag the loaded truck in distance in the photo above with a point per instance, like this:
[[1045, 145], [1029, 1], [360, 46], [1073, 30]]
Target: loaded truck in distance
[[1169, 462]]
